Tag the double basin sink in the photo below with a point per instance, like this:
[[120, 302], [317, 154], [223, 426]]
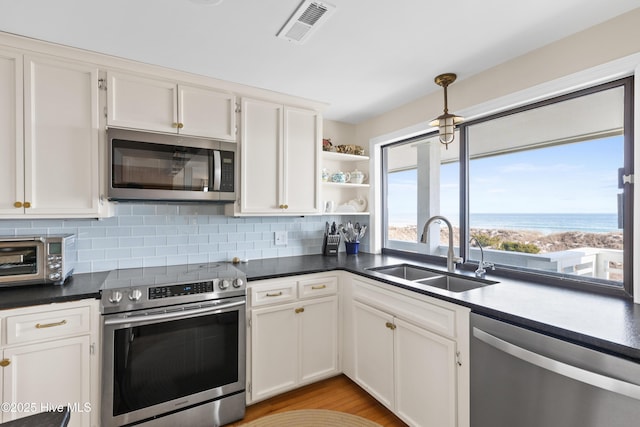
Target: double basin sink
[[435, 278]]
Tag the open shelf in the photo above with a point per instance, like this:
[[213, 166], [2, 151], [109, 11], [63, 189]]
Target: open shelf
[[332, 155], [344, 184]]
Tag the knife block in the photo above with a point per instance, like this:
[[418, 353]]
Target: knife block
[[331, 244]]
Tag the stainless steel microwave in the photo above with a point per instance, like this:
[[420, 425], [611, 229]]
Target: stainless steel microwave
[[29, 260], [149, 166]]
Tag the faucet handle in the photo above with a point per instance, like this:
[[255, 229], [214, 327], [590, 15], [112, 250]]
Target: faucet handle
[[458, 260], [488, 265]]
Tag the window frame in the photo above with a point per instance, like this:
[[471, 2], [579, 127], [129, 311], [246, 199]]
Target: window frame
[[563, 280]]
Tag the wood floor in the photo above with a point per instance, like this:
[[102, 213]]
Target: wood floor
[[337, 393]]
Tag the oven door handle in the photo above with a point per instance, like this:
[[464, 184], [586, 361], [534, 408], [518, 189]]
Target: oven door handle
[[173, 315]]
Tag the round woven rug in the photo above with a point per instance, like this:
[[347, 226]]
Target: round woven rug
[[311, 418]]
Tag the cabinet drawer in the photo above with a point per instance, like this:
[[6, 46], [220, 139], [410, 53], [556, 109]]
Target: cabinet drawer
[[421, 313], [318, 287], [46, 325], [270, 293]]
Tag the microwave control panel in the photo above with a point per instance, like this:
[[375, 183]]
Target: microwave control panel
[[227, 171]]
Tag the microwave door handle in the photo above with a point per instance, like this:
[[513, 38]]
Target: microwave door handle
[[217, 170]]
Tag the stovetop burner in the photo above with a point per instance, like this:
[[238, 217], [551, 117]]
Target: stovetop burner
[[141, 288]]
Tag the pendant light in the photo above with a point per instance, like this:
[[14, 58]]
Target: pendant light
[[446, 122]]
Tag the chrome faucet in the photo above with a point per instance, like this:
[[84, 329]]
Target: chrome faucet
[[480, 271], [451, 257]]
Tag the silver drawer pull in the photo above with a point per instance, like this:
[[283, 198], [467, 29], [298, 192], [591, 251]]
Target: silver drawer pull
[[319, 287], [276, 294], [50, 325]]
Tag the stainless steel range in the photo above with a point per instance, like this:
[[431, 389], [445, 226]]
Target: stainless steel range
[[173, 346]]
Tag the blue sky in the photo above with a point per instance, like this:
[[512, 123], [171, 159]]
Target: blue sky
[[571, 178]]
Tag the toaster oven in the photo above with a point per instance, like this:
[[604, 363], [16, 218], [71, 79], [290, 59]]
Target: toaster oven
[[36, 259]]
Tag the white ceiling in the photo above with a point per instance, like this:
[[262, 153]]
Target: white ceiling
[[369, 57]]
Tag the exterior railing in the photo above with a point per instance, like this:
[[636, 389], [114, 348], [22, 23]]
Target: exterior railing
[[599, 263]]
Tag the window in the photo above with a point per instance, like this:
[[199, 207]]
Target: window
[[421, 180], [541, 188]]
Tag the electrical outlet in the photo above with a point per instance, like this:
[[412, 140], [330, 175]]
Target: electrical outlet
[[280, 238]]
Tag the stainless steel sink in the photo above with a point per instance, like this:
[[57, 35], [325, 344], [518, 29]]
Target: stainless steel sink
[[437, 279], [454, 283], [406, 271]]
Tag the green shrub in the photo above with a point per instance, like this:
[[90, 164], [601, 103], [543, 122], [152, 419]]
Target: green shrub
[[528, 248]]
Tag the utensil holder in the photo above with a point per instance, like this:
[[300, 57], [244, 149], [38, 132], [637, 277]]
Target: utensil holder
[[331, 244], [351, 247]]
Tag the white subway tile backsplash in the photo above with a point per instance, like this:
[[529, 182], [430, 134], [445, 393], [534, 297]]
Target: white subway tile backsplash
[[148, 234], [196, 258], [129, 263], [131, 220]]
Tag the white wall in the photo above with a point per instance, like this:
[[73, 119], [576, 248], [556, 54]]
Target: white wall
[[598, 45], [339, 133]]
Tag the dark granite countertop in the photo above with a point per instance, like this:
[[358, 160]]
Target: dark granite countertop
[[44, 419], [607, 323], [79, 286]]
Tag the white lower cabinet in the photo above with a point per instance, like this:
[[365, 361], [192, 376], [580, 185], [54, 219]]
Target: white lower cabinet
[[48, 360], [293, 333], [374, 352], [425, 376], [411, 355]]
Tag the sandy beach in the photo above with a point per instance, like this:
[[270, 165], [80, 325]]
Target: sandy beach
[[546, 242]]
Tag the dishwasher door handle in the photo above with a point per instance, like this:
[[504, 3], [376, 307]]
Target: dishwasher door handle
[[597, 380]]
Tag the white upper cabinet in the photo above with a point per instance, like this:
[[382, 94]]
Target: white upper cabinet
[[52, 169], [141, 102], [11, 136], [279, 159]]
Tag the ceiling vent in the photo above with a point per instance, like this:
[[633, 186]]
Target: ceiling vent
[[306, 19]]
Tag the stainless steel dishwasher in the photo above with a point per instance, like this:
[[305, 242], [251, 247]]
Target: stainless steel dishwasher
[[526, 379]]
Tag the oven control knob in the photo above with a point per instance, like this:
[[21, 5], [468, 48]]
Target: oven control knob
[[224, 284], [237, 283], [135, 295], [115, 297]]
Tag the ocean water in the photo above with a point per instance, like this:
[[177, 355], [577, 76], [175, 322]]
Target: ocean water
[[546, 223]]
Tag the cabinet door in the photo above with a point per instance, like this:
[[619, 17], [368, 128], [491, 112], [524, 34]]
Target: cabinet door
[[61, 137], [318, 338], [274, 350], [261, 157], [301, 156], [425, 375], [48, 374], [373, 336], [139, 102], [11, 138], [206, 113]]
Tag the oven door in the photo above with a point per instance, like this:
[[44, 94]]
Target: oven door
[[21, 262], [162, 361]]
